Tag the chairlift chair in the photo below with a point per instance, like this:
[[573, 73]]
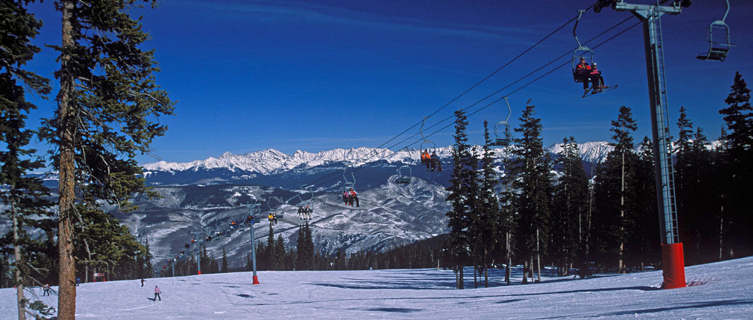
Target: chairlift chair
[[718, 49], [504, 140], [349, 184], [425, 143], [580, 51], [402, 178]]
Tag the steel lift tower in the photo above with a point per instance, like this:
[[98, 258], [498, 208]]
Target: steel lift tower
[[672, 251]]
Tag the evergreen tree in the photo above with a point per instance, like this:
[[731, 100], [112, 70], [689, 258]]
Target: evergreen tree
[[533, 181], [270, 256], [570, 199], [280, 254], [489, 207], [108, 104], [463, 196], [738, 151], [615, 193], [308, 260], [22, 195], [641, 244], [224, 260]]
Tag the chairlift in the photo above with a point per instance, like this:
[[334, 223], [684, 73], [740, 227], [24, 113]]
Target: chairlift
[[504, 140], [424, 154], [401, 177], [349, 184], [718, 49], [580, 52]]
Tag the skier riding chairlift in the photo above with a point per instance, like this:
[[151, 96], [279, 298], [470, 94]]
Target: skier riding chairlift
[[436, 165]]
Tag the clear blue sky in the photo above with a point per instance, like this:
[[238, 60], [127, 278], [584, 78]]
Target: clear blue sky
[[251, 75]]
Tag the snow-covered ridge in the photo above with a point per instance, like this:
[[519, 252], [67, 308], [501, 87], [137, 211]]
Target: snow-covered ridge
[[271, 160]]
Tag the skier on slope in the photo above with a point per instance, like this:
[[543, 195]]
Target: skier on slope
[[157, 292]]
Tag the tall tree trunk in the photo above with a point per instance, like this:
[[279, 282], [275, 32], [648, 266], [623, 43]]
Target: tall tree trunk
[[486, 269], [475, 273], [621, 254], [67, 269], [538, 257], [721, 231], [462, 281], [525, 272], [530, 268], [18, 279], [509, 257]]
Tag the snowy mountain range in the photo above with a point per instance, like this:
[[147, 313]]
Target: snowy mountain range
[[258, 167]]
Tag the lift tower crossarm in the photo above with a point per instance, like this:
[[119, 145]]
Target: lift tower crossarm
[[673, 264]]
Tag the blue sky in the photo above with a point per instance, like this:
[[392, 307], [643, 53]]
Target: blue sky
[[251, 75]]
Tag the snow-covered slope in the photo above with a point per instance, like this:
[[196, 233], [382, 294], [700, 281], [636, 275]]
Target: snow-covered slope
[[722, 290], [390, 214]]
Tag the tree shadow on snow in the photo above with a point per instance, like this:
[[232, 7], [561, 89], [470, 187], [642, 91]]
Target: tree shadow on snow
[[399, 310]]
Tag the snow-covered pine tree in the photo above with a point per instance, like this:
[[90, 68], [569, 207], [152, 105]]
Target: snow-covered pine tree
[[108, 104]]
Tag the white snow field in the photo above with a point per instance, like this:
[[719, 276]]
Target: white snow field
[[721, 290]]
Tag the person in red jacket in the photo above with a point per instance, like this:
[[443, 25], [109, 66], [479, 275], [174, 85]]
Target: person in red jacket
[[354, 197], [597, 81], [582, 72], [157, 291]]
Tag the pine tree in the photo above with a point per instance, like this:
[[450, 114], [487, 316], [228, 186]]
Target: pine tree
[[489, 206], [224, 260], [641, 242], [570, 199], [463, 196], [533, 181], [280, 254], [309, 248], [269, 253], [24, 195], [107, 106], [738, 151], [614, 192]]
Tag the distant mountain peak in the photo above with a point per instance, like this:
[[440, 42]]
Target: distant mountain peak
[[270, 161]]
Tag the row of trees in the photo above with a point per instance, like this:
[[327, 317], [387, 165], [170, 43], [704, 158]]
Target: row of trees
[[610, 219], [108, 111]]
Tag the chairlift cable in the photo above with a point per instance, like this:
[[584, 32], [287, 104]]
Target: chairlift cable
[[528, 83], [566, 53]]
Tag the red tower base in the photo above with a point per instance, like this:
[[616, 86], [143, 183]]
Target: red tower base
[[199, 273], [673, 260], [256, 280]]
